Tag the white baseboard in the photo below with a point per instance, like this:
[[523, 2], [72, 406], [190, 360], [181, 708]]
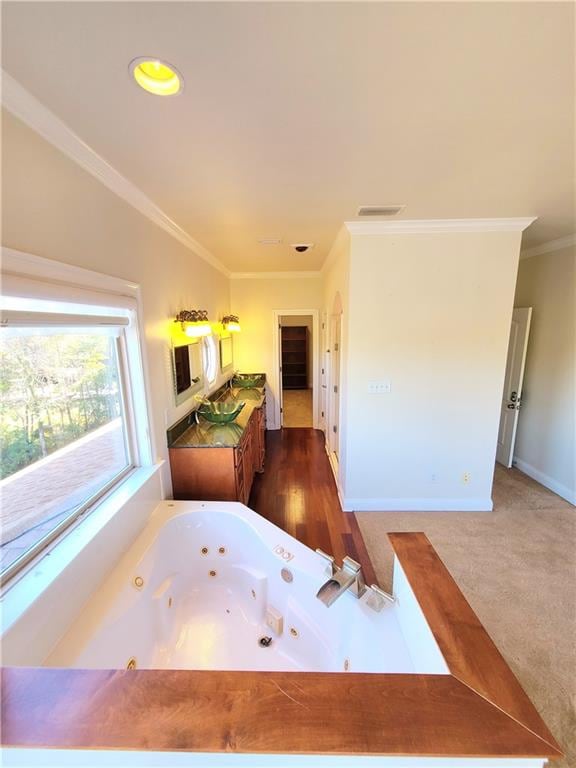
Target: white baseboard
[[546, 480], [334, 468], [417, 505]]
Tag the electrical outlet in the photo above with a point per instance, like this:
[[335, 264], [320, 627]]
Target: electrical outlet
[[434, 478], [466, 478], [379, 387]]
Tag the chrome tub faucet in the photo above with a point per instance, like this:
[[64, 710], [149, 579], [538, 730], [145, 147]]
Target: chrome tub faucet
[[348, 577]]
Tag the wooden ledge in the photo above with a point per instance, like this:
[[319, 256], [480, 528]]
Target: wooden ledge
[[479, 710], [468, 649]]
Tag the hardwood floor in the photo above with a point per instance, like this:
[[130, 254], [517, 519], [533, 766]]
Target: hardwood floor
[[297, 492]]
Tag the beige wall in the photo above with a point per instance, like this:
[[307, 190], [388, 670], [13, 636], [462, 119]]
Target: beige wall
[[52, 208], [430, 313], [546, 426], [336, 274], [254, 301], [335, 296]]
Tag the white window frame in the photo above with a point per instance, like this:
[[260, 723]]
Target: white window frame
[[210, 359], [96, 299]]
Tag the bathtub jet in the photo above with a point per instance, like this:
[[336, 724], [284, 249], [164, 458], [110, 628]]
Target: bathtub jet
[[205, 581]]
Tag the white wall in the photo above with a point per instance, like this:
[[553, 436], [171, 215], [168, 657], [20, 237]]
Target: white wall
[[254, 301], [336, 289], [430, 313], [299, 320], [545, 442], [52, 208]]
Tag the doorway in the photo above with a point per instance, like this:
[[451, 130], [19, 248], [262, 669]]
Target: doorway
[[513, 380], [334, 391], [296, 355], [333, 366]]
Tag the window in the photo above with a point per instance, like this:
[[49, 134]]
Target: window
[[68, 426], [210, 358], [226, 358]]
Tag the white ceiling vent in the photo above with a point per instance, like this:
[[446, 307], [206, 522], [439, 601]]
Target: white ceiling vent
[[380, 210], [270, 240]]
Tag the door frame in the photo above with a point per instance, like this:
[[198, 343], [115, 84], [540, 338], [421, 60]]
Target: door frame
[[276, 381], [323, 365], [508, 461], [335, 322]]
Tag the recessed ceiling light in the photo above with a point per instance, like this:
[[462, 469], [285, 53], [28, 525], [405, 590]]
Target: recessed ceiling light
[[156, 76]]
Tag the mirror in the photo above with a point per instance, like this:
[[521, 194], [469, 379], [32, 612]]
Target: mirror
[[187, 371], [182, 369], [226, 357]]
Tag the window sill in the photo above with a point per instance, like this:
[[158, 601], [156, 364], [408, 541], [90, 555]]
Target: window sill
[[74, 565]]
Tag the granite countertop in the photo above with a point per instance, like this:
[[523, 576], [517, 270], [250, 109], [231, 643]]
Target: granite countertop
[[189, 434]]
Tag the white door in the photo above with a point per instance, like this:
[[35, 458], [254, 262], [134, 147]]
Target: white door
[[334, 425], [281, 386], [323, 375], [512, 395]]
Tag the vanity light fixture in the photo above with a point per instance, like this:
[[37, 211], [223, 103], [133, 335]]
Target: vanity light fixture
[[194, 322], [156, 76], [231, 323]]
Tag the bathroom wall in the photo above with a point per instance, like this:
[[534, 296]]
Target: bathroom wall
[[53, 208], [429, 314], [336, 302], [255, 300], [546, 437]]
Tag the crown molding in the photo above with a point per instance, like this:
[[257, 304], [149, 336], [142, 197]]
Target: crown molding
[[274, 275], [549, 247], [433, 226], [27, 108], [341, 240]]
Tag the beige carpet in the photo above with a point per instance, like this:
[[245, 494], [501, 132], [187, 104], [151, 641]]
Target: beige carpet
[[297, 408], [517, 568]]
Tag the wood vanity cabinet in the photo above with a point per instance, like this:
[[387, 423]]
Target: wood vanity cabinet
[[260, 442], [221, 474], [245, 483]]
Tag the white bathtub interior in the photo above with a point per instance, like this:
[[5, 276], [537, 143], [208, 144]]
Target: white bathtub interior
[[214, 586]]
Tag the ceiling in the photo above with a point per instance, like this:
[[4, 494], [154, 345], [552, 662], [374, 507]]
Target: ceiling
[[295, 114]]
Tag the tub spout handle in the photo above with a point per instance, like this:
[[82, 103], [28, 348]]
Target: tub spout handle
[[377, 598], [329, 559]]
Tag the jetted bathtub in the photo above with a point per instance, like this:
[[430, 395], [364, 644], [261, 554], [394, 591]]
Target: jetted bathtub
[[205, 645], [215, 586]]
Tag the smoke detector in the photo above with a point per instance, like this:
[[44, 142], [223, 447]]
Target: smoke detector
[[301, 247], [380, 210]]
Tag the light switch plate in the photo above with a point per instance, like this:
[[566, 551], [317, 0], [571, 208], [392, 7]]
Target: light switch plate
[[379, 387]]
